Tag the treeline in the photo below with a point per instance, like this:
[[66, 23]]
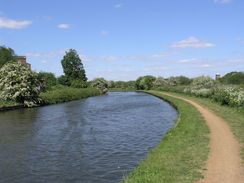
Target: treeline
[[19, 84]]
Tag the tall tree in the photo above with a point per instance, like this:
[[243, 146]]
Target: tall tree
[[72, 66], [6, 55]]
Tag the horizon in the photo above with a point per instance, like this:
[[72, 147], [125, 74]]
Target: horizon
[[123, 40]]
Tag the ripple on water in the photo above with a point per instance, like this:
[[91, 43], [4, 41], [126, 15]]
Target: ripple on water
[[99, 139]]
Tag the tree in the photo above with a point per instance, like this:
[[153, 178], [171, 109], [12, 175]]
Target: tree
[[19, 83], [233, 78], [145, 82], [72, 66], [64, 80], [6, 55], [49, 79]]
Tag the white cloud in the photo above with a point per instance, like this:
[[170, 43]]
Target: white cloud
[[240, 40], [191, 42], [110, 58], [13, 24], [84, 58], [204, 66], [63, 26], [104, 32], [236, 61], [163, 54], [44, 61], [222, 1], [118, 5], [192, 60]]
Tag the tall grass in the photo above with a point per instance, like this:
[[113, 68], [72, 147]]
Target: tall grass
[[65, 94]]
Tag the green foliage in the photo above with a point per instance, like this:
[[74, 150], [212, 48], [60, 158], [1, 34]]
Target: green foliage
[[233, 78], [182, 80], [65, 94], [145, 82], [49, 79], [72, 66], [160, 81], [124, 85], [6, 55], [64, 80], [78, 84], [19, 83], [203, 82], [101, 84]]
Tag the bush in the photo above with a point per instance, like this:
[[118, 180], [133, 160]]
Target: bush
[[101, 84], [19, 83], [67, 94], [64, 80], [203, 82], [78, 84], [231, 96], [145, 82], [49, 79]]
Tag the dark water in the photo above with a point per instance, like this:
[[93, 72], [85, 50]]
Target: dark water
[[98, 140]]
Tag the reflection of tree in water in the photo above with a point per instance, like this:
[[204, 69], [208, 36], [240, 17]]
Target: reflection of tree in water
[[16, 129], [16, 125]]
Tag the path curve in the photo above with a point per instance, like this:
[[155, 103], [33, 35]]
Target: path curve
[[224, 161]]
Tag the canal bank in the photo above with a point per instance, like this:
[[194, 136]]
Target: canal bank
[[182, 154], [57, 96]]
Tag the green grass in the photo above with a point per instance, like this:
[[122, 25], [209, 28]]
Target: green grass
[[181, 155], [8, 103], [233, 116], [65, 94]]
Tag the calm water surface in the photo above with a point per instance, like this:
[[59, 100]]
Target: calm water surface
[[95, 140]]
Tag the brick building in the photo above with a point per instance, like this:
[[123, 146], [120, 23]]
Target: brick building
[[22, 60]]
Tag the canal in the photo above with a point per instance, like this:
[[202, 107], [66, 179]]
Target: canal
[[95, 140]]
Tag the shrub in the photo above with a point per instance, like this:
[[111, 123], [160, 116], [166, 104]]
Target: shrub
[[203, 82], [49, 79], [64, 80], [19, 83], [78, 84], [145, 82], [101, 84]]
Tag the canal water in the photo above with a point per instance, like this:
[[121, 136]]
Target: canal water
[[95, 140]]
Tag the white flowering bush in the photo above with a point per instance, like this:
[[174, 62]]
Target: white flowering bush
[[19, 83], [230, 96], [203, 82], [101, 84]]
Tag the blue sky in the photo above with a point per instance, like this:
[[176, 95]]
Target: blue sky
[[122, 40]]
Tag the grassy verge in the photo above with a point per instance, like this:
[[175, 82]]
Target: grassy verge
[[67, 94], [233, 116], [4, 103], [181, 155]]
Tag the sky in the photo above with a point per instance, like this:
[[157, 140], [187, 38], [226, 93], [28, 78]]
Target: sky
[[125, 39]]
